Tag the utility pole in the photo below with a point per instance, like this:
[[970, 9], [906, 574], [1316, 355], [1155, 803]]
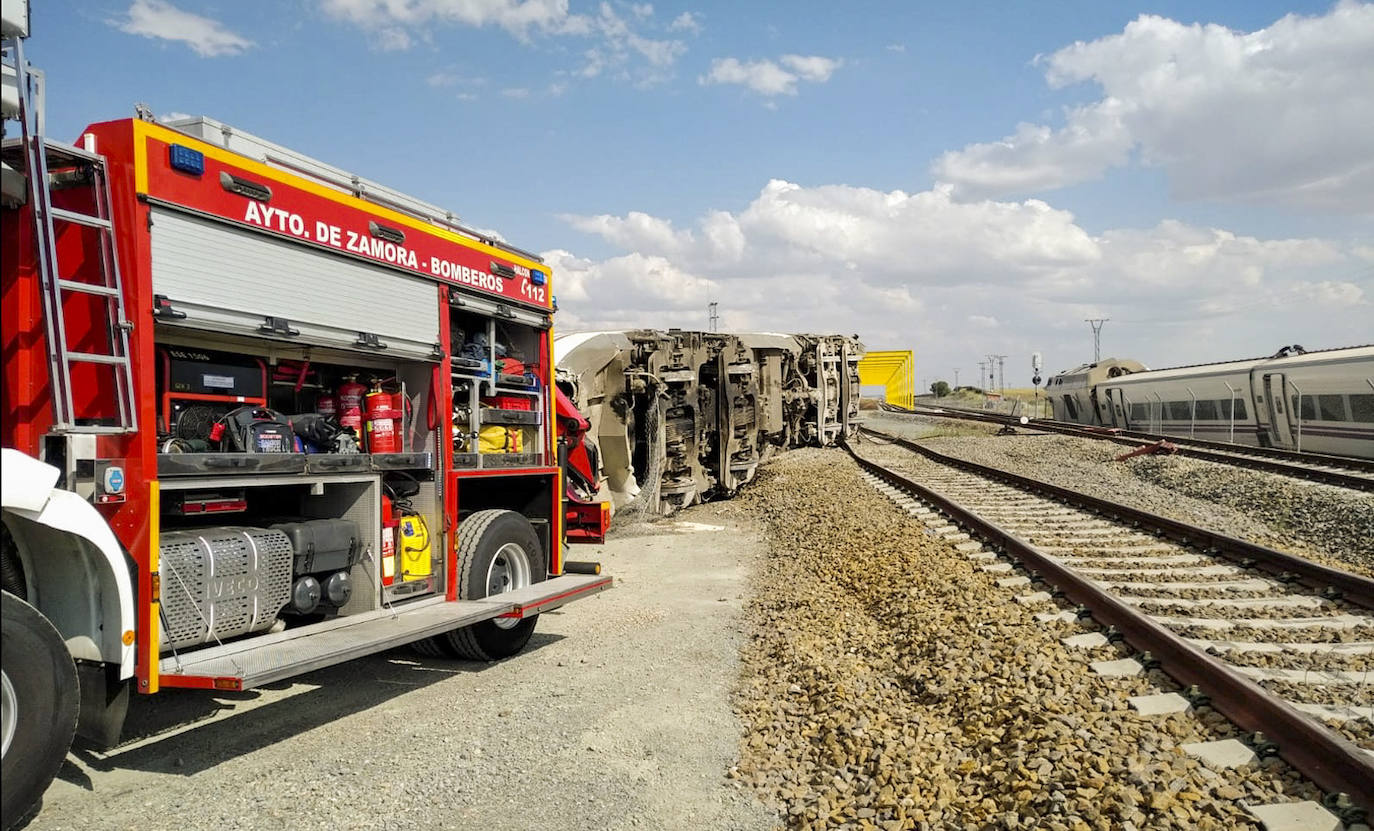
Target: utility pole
[[992, 372], [956, 377], [1096, 323], [981, 374], [1001, 377], [714, 318]]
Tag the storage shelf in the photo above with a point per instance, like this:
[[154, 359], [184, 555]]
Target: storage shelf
[[496, 461], [250, 464], [493, 415]]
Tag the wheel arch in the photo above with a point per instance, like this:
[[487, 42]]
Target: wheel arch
[[75, 571]]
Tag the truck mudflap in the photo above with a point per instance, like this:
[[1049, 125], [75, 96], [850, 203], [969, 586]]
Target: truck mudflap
[[265, 659]]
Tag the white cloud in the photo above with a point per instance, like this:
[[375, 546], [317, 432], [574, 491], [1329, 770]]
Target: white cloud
[[685, 22], [391, 39], [627, 52], [1282, 114], [1036, 158], [768, 78], [1332, 293], [453, 79], [812, 68], [764, 77], [516, 92], [172, 116], [518, 17], [620, 51], [643, 287], [162, 21], [925, 270], [896, 47]]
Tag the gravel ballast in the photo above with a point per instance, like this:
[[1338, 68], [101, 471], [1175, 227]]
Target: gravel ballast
[[888, 683], [1326, 523]]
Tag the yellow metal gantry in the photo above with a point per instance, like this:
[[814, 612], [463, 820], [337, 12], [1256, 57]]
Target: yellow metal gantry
[[894, 371]]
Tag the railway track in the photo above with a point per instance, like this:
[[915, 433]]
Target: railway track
[[1281, 646], [1343, 471]]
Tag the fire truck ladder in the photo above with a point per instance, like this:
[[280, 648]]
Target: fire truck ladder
[[48, 161]]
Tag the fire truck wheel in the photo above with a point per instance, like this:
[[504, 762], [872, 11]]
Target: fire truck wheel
[[39, 705], [431, 647], [498, 551]]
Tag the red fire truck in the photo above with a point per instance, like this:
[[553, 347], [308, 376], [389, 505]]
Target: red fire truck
[[260, 416]]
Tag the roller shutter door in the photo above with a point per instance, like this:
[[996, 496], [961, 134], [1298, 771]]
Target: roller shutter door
[[230, 279]]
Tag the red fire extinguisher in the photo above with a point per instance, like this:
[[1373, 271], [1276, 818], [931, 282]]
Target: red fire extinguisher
[[381, 421], [351, 404], [390, 524]]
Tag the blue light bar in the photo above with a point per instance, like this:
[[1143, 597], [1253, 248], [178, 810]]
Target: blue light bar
[[537, 277], [186, 160]]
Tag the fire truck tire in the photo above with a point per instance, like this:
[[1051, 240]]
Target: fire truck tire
[[497, 551], [40, 706], [430, 647]]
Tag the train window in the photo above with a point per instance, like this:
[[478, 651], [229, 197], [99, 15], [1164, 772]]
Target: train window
[[1139, 412], [1362, 407], [1239, 404], [1180, 410], [1308, 411], [1207, 410], [1073, 408], [1331, 407]]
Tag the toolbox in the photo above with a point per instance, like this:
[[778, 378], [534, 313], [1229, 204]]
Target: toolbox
[[322, 544], [198, 386]]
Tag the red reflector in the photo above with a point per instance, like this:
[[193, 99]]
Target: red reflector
[[228, 684]]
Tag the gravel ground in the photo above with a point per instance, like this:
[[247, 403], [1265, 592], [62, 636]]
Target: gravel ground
[[889, 684], [617, 716], [1325, 523]]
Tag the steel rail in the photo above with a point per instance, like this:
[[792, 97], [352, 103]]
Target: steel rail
[[1352, 587], [1355, 473], [1328, 759]]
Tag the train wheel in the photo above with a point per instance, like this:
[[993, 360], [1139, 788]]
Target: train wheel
[[38, 706], [498, 551]]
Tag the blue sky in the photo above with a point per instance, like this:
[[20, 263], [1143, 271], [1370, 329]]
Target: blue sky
[[1192, 170]]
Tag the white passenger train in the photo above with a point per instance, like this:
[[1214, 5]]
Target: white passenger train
[[1319, 402]]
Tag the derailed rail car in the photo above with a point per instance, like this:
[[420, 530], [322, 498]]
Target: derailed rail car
[[681, 417]]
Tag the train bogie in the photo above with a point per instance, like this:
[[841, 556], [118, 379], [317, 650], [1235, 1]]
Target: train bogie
[[683, 417]]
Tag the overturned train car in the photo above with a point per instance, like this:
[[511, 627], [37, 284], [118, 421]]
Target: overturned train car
[[682, 417]]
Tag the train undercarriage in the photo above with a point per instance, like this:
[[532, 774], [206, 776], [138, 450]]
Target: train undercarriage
[[681, 417]]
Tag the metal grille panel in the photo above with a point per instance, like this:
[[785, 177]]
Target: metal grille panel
[[222, 582]]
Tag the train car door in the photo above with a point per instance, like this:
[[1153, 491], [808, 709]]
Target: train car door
[[1099, 408], [1116, 408], [1280, 429]]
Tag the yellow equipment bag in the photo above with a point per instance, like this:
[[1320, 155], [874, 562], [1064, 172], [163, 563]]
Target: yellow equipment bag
[[500, 439]]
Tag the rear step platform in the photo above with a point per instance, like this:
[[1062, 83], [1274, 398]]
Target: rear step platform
[[254, 662]]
